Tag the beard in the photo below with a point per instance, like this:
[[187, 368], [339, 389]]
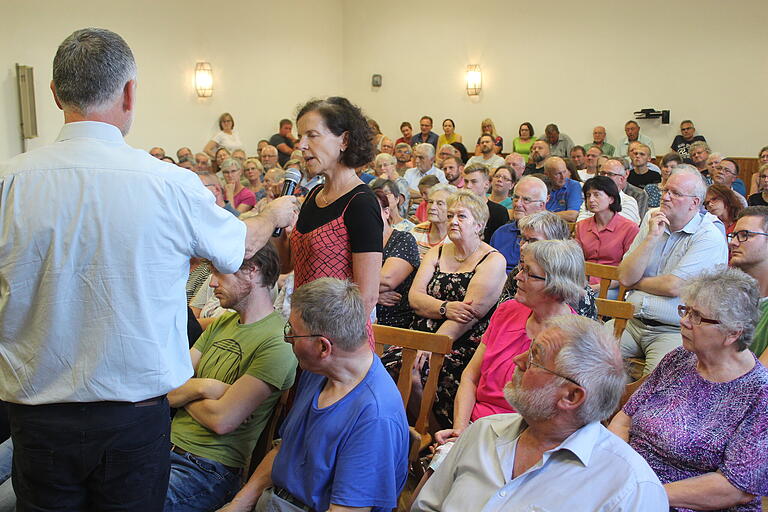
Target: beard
[[537, 157], [532, 404]]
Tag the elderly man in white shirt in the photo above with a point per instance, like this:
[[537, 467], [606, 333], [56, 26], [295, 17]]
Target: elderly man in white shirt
[[424, 156], [93, 311], [554, 454]]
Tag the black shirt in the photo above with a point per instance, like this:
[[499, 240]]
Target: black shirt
[[683, 147], [641, 180], [276, 140], [497, 217], [757, 200]]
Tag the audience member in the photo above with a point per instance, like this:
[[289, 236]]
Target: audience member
[[525, 139], [590, 163], [559, 143], [668, 162], [377, 135], [615, 169], [268, 157], [565, 197], [699, 152], [727, 174], [760, 198], [762, 159], [284, 141], [462, 151], [241, 198], [226, 138], [202, 163], [254, 172], [477, 181], [400, 261], [449, 135], [403, 155], [605, 236], [424, 156], [426, 135], [273, 187], [723, 203], [184, 153], [434, 232], [219, 157], [748, 244], [487, 156], [700, 418], [260, 146], [407, 131], [649, 163], [554, 454], [682, 143], [675, 244], [239, 155], [530, 196], [387, 146], [347, 413], [598, 141], [516, 161], [640, 175], [398, 203], [168, 159], [632, 129], [157, 152], [454, 293], [453, 168], [539, 153], [425, 184], [488, 128], [385, 166], [502, 181], [444, 152], [577, 155]]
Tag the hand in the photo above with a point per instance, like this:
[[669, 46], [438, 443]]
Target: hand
[[212, 389], [421, 357], [284, 211], [461, 312], [656, 224], [390, 298], [229, 191], [449, 434]]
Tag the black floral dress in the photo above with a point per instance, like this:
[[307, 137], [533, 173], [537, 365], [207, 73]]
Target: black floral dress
[[445, 286]]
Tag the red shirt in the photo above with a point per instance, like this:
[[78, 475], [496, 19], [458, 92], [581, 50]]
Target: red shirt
[[607, 245]]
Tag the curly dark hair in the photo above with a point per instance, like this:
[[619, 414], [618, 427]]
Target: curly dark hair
[[342, 116]]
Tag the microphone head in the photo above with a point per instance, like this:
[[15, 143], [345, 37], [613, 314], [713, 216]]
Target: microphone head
[[292, 174]]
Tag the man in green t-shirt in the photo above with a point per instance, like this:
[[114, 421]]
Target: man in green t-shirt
[[749, 252], [242, 364]]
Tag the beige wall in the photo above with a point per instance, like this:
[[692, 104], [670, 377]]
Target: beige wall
[[260, 67], [574, 63]]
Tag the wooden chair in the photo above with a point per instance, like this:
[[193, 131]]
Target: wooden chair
[[264, 444], [411, 342], [606, 273], [619, 310]]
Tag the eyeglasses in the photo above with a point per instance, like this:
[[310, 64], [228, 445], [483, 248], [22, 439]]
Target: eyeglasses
[[531, 362], [674, 193], [523, 269], [609, 174], [694, 315], [744, 235], [502, 178], [526, 200], [287, 330]]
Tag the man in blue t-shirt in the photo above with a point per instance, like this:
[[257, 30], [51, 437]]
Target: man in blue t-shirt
[[565, 197], [345, 440]]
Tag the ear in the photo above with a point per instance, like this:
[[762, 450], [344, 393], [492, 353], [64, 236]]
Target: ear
[[129, 95], [325, 347], [344, 141], [731, 337], [56, 96], [572, 397]]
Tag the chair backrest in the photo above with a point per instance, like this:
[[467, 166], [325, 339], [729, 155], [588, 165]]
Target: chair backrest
[[619, 310], [411, 342], [264, 444], [606, 273]]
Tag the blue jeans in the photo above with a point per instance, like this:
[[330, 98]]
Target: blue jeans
[[199, 484]]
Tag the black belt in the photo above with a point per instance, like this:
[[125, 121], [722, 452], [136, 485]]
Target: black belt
[[285, 495], [184, 453], [654, 323]]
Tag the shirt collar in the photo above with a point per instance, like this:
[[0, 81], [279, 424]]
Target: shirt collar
[[90, 130], [611, 226], [693, 224], [580, 443]]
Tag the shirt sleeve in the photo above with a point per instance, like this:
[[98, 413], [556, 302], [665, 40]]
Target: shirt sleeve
[[706, 250], [407, 249], [275, 364], [364, 223], [574, 199], [647, 389], [745, 464]]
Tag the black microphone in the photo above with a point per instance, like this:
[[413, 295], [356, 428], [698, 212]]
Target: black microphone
[[292, 179]]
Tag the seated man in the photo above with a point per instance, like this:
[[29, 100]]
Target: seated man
[[727, 173], [559, 143], [488, 156], [424, 156], [539, 154], [241, 366], [565, 198], [553, 454], [676, 242], [345, 440], [477, 181]]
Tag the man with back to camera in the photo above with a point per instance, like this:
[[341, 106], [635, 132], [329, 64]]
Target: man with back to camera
[[94, 332]]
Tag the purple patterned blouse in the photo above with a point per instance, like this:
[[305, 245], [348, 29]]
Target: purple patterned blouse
[[685, 426]]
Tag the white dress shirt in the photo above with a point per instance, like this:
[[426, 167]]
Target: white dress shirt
[[414, 175], [95, 241], [592, 470]]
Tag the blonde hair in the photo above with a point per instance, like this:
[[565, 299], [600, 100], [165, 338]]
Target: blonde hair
[[476, 206], [489, 122]]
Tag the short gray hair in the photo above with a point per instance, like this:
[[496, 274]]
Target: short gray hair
[[442, 187], [427, 147], [90, 69], [539, 184], [699, 144], [552, 226], [731, 296], [476, 206], [232, 162], [563, 264], [384, 156], [333, 308], [700, 186], [591, 357]]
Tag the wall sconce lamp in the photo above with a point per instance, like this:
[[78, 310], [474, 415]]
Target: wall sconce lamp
[[474, 80], [203, 80]]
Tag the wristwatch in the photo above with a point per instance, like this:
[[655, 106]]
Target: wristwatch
[[443, 309]]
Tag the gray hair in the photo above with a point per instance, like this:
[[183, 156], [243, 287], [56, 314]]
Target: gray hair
[[333, 308], [731, 296], [402, 145], [442, 187], [539, 184], [476, 206], [699, 144], [591, 357], [232, 162], [700, 186], [563, 264], [91, 68], [381, 157], [552, 226], [426, 147]]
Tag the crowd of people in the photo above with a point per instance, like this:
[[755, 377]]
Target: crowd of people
[[114, 404]]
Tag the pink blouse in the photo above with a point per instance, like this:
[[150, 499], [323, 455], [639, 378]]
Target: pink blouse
[[504, 339], [607, 245], [245, 196]]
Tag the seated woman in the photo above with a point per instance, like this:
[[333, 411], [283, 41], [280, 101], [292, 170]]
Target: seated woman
[[219, 157], [488, 128], [503, 180], [253, 171], [385, 166], [723, 203], [606, 236], [449, 135], [453, 293], [398, 203], [668, 162], [700, 418], [400, 261], [760, 198], [551, 277], [434, 232], [241, 198], [547, 226]]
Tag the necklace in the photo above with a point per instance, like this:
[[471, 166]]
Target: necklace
[[465, 258]]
